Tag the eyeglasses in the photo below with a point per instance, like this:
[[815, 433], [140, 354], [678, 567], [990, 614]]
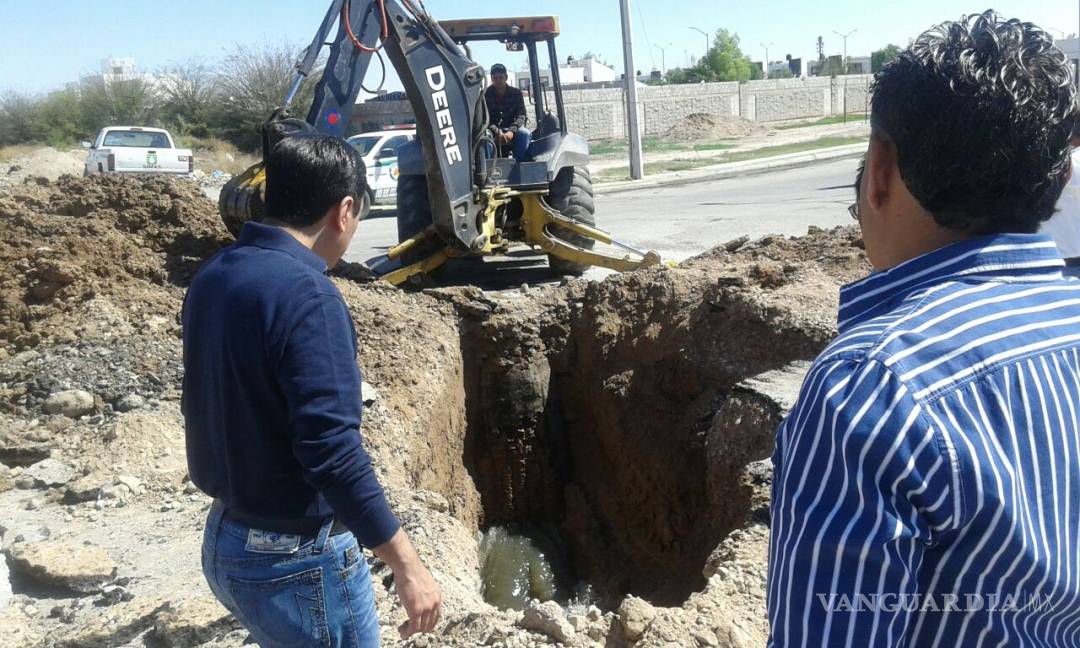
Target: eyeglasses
[[853, 209]]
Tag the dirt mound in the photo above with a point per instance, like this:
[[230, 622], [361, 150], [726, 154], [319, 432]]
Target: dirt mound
[[45, 163], [65, 243], [777, 261], [703, 126]]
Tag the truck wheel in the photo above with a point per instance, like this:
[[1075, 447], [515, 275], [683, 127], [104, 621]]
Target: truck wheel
[[414, 216], [571, 194]]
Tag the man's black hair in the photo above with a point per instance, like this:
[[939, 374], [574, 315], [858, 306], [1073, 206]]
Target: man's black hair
[[498, 68], [308, 174], [981, 112]]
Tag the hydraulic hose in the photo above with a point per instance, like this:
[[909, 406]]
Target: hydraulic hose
[[352, 36]]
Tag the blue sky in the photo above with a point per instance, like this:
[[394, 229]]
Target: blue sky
[[50, 43]]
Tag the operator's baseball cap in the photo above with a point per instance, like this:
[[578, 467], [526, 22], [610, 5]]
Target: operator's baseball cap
[[498, 68]]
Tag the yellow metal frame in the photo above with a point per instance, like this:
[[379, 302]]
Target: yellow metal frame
[[539, 217], [537, 220]]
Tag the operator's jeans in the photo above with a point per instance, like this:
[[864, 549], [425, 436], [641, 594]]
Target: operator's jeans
[[520, 145], [291, 590]]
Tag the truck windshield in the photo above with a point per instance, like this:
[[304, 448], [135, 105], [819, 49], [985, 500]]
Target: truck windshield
[[140, 139], [364, 144]]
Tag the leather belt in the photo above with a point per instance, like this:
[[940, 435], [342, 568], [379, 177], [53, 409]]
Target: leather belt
[[296, 526]]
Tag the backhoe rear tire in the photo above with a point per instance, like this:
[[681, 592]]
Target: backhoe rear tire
[[571, 194], [414, 216]]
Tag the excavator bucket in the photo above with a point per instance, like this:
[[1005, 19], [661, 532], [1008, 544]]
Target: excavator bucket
[[539, 220], [243, 199]]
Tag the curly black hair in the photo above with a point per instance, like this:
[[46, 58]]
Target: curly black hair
[[981, 112]]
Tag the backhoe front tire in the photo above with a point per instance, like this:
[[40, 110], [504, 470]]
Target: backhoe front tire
[[571, 194]]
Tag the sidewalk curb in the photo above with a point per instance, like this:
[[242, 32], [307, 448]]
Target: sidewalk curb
[[732, 169]]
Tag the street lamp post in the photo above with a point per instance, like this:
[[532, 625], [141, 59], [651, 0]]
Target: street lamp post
[[766, 70], [845, 36], [663, 57], [707, 41]]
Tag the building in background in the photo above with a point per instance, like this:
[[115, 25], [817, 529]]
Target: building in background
[[118, 70], [856, 65], [574, 72], [797, 66], [782, 66]]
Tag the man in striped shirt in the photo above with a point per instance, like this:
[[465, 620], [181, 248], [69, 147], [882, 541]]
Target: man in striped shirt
[[927, 483]]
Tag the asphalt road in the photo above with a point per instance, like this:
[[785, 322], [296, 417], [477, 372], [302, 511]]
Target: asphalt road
[[676, 222]]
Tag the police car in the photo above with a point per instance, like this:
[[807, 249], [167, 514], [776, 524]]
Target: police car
[[379, 150]]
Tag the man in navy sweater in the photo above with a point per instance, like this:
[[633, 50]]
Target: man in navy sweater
[[272, 415]]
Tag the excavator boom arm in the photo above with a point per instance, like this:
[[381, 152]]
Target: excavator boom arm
[[444, 86]]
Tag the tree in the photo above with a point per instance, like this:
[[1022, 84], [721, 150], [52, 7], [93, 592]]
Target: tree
[[253, 82], [784, 73], [726, 61], [18, 113], [682, 75], [133, 101], [879, 58], [190, 93], [58, 120]]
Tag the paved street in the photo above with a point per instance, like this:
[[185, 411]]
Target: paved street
[[678, 222]]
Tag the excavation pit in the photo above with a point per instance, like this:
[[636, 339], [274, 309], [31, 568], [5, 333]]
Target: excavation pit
[[615, 428], [626, 424]]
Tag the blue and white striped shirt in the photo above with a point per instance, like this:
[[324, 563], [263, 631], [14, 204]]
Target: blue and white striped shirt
[[927, 483]]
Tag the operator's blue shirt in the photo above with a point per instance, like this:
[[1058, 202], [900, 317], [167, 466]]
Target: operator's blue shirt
[[271, 389]]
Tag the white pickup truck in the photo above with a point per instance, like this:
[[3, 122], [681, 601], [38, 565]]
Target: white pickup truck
[[132, 149]]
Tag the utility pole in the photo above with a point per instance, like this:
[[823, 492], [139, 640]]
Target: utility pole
[[708, 42], [633, 131], [663, 57], [766, 70], [844, 36]]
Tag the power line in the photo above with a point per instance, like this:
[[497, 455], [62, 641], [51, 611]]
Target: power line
[[645, 32]]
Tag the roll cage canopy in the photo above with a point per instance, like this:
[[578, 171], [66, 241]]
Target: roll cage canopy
[[532, 28]]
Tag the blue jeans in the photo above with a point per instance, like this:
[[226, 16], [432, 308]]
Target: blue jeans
[[520, 145], [291, 591]]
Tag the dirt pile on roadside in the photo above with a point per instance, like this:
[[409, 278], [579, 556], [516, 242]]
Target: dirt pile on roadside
[[627, 421], [706, 127], [69, 242], [44, 162]]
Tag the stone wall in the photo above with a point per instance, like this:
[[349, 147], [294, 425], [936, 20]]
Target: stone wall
[[601, 114]]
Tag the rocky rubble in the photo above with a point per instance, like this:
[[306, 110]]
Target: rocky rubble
[[67, 567], [584, 409]]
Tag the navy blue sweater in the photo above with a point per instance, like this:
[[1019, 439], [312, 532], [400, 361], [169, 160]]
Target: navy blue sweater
[[271, 389]]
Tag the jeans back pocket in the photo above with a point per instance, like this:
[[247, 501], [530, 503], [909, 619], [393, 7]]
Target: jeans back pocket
[[284, 612]]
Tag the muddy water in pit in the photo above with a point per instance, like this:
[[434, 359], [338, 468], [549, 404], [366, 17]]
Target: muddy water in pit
[[520, 564], [514, 569]]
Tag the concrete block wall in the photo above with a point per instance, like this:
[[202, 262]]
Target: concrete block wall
[[600, 114]]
